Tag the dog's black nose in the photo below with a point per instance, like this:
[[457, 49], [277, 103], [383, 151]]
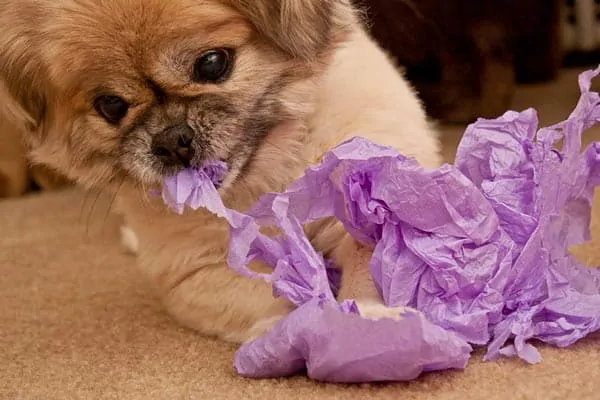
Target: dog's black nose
[[174, 145]]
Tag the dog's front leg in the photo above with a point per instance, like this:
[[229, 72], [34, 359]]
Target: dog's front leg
[[357, 281], [353, 258], [216, 301]]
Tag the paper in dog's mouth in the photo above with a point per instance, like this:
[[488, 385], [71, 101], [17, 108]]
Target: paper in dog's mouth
[[183, 187], [216, 171]]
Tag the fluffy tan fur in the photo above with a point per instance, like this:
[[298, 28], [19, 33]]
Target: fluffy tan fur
[[312, 74], [14, 179]]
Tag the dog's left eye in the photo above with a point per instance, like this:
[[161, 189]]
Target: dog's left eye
[[112, 108], [214, 66]]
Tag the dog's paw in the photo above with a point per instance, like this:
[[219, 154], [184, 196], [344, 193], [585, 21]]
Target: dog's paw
[[257, 330], [376, 311], [129, 239]]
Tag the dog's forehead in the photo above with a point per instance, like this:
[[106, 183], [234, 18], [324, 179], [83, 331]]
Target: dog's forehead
[[117, 38]]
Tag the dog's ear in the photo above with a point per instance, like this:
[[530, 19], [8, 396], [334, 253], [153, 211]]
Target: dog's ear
[[22, 98], [301, 28], [21, 103]]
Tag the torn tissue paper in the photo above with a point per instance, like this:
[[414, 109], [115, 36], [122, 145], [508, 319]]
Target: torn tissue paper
[[478, 249]]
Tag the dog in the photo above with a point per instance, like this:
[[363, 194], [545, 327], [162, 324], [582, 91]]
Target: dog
[[120, 94]]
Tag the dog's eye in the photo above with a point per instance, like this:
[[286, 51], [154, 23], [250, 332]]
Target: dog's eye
[[112, 108], [214, 66]]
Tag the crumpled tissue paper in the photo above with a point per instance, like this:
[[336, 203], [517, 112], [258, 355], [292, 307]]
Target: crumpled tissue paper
[[479, 250]]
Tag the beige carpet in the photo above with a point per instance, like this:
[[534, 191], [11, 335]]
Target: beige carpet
[[78, 322]]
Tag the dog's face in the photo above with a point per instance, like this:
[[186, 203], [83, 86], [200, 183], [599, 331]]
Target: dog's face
[[140, 89]]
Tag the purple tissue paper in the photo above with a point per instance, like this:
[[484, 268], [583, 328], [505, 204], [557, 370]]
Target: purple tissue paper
[[479, 250]]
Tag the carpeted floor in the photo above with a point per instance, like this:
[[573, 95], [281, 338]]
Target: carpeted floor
[[78, 322]]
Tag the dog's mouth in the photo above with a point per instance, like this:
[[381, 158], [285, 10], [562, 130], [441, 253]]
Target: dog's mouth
[[149, 172], [190, 179], [216, 170]]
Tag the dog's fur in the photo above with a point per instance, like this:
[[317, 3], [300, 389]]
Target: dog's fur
[[14, 180], [306, 77]]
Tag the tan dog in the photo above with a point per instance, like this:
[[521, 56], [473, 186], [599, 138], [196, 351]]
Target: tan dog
[[122, 93]]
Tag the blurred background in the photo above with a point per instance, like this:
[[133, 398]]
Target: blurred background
[[466, 58]]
